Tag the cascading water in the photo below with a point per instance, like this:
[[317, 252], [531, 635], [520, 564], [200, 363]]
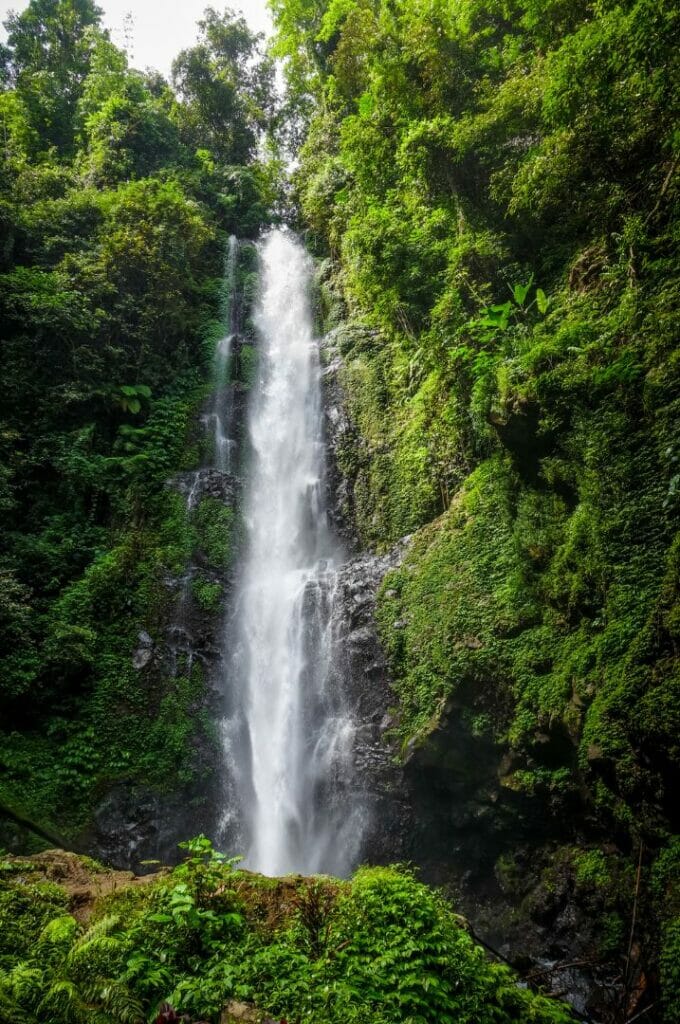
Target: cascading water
[[222, 405], [217, 423], [288, 737]]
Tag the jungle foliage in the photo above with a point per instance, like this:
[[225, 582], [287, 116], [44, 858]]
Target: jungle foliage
[[380, 949], [116, 197], [494, 185]]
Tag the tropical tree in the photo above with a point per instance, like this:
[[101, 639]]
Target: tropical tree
[[50, 48]]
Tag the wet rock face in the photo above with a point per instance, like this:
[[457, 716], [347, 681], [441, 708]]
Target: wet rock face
[[361, 658], [441, 806], [143, 653], [207, 482], [341, 435], [133, 824], [362, 671]]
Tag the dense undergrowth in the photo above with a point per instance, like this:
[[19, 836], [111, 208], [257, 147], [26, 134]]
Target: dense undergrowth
[[494, 187], [116, 198], [380, 949]]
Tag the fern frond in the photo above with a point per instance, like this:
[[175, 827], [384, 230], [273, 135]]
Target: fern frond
[[24, 982], [10, 1011], [59, 930], [104, 926], [115, 1000], [63, 998], [121, 1004], [99, 945]]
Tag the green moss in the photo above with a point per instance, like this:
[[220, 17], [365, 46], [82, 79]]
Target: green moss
[[665, 878], [449, 617], [216, 531], [175, 538], [207, 594], [592, 869], [670, 969], [540, 584], [393, 476], [664, 886], [167, 757], [612, 935], [248, 362]]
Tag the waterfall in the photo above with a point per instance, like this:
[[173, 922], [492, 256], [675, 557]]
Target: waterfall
[[288, 736]]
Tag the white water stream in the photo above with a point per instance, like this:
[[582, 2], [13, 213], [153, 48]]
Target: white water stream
[[288, 737], [221, 409]]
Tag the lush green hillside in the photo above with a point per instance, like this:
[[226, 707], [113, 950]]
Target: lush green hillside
[[495, 184], [116, 198]]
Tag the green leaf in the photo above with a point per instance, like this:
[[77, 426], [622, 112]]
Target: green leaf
[[520, 291], [496, 316], [542, 301]]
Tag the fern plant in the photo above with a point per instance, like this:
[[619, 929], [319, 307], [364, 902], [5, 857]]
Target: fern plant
[[73, 977]]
